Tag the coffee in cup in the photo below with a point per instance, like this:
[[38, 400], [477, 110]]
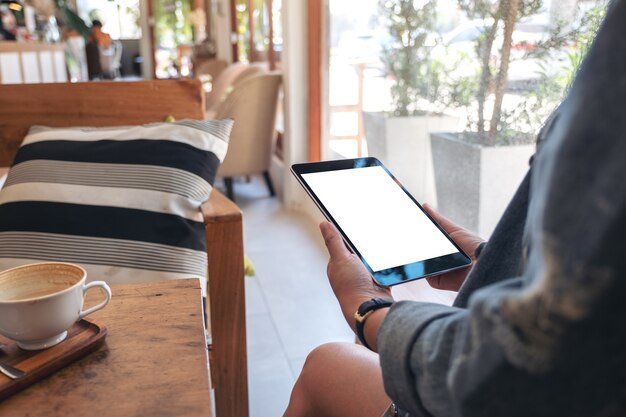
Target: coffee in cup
[[39, 302]]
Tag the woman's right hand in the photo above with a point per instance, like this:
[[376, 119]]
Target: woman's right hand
[[466, 240]]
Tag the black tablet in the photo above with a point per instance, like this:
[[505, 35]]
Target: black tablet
[[379, 220]]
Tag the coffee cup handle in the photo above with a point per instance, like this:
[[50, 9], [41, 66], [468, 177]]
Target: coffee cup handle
[[107, 292]]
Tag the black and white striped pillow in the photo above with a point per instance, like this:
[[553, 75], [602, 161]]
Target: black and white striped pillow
[[123, 202]]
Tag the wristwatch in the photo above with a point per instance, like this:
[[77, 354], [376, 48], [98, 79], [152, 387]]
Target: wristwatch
[[364, 310]]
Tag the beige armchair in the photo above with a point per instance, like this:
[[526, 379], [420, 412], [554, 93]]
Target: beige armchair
[[252, 105], [225, 82], [210, 68]]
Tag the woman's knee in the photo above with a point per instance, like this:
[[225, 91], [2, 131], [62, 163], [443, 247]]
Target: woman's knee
[[333, 375], [321, 357], [330, 358], [307, 393], [324, 360]]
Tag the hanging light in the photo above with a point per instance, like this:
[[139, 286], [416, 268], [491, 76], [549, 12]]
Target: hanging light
[[13, 5]]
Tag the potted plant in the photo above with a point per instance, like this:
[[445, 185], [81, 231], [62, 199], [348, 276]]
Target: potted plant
[[400, 138], [477, 171]]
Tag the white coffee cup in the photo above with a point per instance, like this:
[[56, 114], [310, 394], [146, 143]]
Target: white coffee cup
[[39, 302]]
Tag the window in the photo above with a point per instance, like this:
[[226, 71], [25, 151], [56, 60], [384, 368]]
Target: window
[[120, 18], [398, 74], [259, 30]]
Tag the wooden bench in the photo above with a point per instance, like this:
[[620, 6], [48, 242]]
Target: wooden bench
[[132, 103]]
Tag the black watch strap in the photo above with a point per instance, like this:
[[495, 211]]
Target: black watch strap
[[364, 310], [479, 249]]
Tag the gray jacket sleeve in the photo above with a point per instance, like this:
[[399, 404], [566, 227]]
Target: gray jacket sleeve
[[551, 342], [430, 354]]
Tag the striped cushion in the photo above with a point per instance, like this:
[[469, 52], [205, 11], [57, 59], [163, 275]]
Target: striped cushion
[[123, 202]]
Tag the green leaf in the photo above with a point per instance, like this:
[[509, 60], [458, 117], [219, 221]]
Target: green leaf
[[72, 20]]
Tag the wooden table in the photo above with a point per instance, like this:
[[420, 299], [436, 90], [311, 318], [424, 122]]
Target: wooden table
[[153, 362]]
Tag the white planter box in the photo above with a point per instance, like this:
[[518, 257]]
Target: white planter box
[[476, 183], [403, 145]]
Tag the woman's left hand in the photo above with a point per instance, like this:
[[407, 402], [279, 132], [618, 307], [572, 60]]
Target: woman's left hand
[[349, 279]]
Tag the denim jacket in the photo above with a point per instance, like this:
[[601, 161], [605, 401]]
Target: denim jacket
[[539, 327]]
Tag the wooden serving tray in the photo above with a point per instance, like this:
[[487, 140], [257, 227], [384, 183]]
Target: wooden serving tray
[[83, 337]]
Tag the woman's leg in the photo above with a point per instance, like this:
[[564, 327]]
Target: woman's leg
[[339, 379]]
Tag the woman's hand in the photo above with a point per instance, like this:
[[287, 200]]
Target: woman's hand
[[466, 240], [349, 279]]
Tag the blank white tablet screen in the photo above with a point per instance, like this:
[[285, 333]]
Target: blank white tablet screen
[[383, 223]]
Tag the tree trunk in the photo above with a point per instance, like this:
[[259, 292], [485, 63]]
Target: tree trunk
[[511, 8], [485, 75]]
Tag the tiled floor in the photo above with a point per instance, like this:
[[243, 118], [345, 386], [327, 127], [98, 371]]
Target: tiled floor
[[290, 306]]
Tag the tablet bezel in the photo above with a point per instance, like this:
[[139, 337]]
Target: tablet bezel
[[398, 274]]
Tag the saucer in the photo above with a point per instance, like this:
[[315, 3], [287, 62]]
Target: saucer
[[43, 344]]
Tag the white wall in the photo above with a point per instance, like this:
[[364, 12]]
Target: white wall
[[295, 84]]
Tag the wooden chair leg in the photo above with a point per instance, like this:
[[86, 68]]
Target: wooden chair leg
[[230, 193], [268, 182], [224, 235]]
